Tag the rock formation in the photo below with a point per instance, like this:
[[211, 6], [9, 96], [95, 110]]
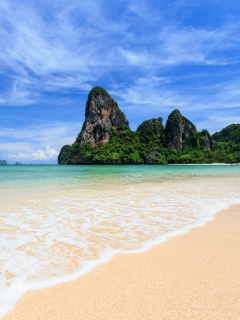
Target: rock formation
[[102, 113], [207, 141], [153, 158], [151, 130], [105, 137], [178, 128]]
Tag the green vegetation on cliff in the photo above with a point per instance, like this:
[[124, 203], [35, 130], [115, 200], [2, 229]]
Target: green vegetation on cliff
[[152, 143], [152, 130], [127, 147], [66, 154], [230, 133]]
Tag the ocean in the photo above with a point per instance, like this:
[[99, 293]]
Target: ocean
[[58, 222]]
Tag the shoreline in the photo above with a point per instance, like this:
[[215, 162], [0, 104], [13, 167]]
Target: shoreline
[[204, 164], [48, 303], [144, 164]]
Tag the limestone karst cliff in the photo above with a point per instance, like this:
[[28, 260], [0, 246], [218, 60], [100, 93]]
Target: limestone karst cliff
[[105, 138], [206, 140], [178, 129], [101, 114]]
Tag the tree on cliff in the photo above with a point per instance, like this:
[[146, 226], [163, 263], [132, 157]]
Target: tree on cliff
[[105, 138]]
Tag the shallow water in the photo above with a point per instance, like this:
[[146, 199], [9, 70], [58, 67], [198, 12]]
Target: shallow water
[[57, 222]]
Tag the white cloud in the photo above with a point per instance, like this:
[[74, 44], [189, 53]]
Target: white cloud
[[151, 93], [18, 95], [41, 155], [137, 53], [14, 147], [172, 45], [210, 106], [54, 46], [217, 123], [25, 141], [44, 134], [51, 46], [144, 11]]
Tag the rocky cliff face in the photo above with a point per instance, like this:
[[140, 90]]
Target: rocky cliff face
[[102, 113], [178, 129], [207, 141], [106, 138]]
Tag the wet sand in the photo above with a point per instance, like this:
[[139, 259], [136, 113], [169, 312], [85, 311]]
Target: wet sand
[[191, 276]]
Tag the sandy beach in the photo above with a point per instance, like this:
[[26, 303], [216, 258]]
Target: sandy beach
[[191, 276]]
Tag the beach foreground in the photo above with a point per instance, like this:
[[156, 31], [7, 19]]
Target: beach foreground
[[191, 276]]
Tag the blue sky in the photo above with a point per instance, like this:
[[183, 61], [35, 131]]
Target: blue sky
[[151, 56]]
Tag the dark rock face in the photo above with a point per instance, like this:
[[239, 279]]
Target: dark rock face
[[153, 158], [102, 113], [207, 141], [151, 130], [178, 128], [106, 138], [81, 160]]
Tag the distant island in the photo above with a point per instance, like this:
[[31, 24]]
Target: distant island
[[3, 163], [106, 138]]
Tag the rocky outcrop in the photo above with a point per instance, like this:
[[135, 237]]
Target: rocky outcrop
[[65, 155], [153, 158], [102, 113], [206, 140], [178, 129], [106, 138], [151, 130]]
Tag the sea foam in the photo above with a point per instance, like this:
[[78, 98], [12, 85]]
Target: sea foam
[[57, 236]]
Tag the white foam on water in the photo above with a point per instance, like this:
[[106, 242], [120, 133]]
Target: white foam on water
[[60, 237]]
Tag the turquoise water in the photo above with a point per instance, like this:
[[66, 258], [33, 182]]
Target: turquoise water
[[57, 222], [33, 176]]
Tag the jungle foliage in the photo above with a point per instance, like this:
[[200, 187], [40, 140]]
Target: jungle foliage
[[134, 147], [230, 133]]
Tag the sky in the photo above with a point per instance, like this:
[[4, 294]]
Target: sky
[[151, 56]]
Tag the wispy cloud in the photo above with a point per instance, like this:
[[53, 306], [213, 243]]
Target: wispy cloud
[[43, 134], [151, 56], [209, 106], [166, 92], [39, 155], [173, 46], [217, 123], [50, 46], [28, 141], [19, 94], [54, 46], [6, 147]]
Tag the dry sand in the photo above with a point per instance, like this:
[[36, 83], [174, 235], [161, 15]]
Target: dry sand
[[192, 276]]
